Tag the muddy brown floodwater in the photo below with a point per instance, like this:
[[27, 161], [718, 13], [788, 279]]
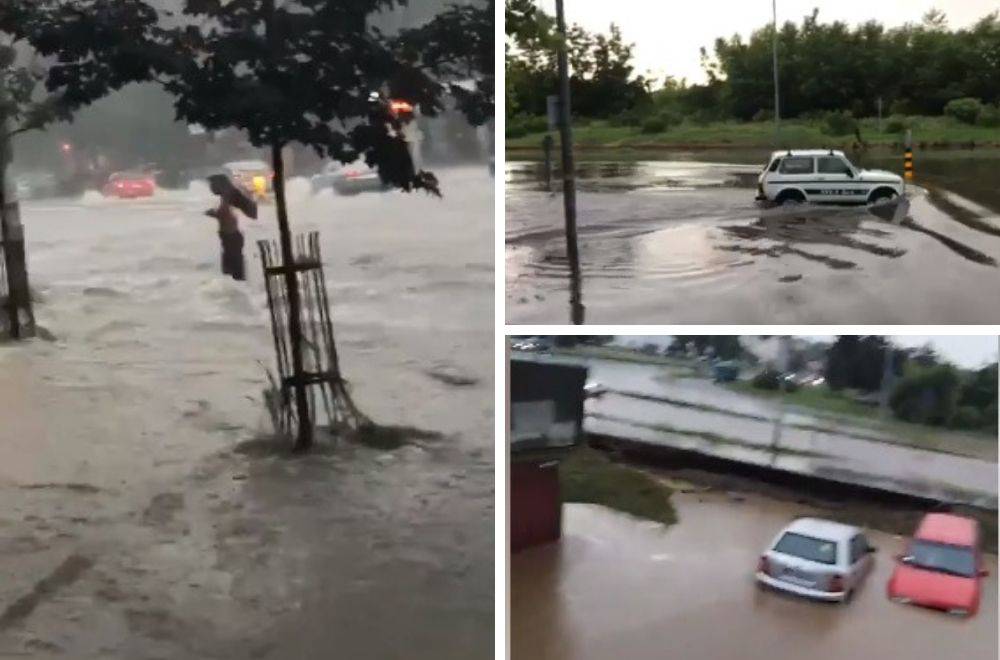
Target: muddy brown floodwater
[[617, 587]]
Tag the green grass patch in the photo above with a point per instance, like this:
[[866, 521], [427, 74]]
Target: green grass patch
[[936, 131], [587, 476]]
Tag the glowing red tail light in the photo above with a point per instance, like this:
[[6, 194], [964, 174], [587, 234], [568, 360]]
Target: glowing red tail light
[[763, 566], [836, 584]]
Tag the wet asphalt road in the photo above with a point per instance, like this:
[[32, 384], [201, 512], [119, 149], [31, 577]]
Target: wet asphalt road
[[616, 587], [684, 242]]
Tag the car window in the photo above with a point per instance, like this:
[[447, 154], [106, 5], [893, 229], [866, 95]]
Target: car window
[[807, 547], [859, 547], [796, 165], [831, 165], [774, 165], [952, 559]]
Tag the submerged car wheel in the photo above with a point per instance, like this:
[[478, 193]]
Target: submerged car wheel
[[790, 198], [881, 195]]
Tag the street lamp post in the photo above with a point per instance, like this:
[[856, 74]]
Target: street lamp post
[[568, 172], [774, 54]]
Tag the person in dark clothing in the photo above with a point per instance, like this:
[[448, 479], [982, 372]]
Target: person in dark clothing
[[231, 238]]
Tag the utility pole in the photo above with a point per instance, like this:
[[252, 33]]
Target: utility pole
[[774, 55], [886, 384], [569, 172]]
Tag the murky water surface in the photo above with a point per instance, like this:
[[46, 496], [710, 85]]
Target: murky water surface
[[132, 441], [617, 587], [678, 240]]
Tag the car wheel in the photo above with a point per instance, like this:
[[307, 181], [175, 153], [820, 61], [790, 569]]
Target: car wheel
[[790, 199], [882, 195]]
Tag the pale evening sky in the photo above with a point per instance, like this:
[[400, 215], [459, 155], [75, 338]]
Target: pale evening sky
[[667, 33]]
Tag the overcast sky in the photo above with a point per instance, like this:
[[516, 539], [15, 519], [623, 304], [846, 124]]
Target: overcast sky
[[667, 35]]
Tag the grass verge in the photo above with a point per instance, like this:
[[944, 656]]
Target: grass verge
[[588, 477], [927, 131]]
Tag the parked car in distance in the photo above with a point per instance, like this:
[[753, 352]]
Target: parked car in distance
[[357, 177], [817, 559], [823, 177], [594, 390], [129, 185], [942, 567], [36, 185], [253, 176]]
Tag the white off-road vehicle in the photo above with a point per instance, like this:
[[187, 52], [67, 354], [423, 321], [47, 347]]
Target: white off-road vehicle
[[823, 177]]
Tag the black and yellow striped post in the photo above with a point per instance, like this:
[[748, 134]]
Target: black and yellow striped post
[[908, 157]]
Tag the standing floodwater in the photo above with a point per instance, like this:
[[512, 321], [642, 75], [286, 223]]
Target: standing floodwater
[[140, 449], [683, 241]]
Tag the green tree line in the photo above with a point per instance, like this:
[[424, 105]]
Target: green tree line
[[824, 67]]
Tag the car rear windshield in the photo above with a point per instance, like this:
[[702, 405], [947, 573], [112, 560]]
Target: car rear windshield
[[807, 547], [953, 559]]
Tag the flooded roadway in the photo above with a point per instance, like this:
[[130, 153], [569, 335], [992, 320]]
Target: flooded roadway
[[143, 518], [684, 242], [617, 587], [644, 404]]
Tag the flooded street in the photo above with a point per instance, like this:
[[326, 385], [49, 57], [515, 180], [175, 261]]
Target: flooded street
[[617, 587], [683, 241], [646, 404], [144, 515]]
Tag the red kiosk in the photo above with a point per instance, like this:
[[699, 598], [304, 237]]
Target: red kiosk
[[545, 423]]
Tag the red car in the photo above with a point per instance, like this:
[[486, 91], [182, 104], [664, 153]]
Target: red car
[[942, 567], [128, 185]]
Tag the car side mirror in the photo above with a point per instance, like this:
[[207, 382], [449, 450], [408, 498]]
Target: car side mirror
[[901, 558], [871, 549]]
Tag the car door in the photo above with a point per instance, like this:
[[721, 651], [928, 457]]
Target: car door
[[860, 559], [796, 172], [836, 182]]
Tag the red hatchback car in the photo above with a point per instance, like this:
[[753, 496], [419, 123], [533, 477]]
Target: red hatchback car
[[942, 567], [128, 185]]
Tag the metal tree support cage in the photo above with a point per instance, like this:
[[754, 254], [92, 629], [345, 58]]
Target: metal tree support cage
[[320, 366]]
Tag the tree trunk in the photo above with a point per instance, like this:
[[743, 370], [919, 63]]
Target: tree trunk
[[12, 234], [304, 439]]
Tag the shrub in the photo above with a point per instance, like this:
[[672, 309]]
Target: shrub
[[626, 118], [654, 125], [926, 395], [839, 123], [521, 125], [965, 110], [990, 116], [967, 417], [897, 124], [902, 107], [764, 114], [769, 379]]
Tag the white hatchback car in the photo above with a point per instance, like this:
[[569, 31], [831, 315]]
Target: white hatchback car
[[823, 177], [817, 559]]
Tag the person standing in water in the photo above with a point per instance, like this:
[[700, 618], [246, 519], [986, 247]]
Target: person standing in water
[[231, 238]]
